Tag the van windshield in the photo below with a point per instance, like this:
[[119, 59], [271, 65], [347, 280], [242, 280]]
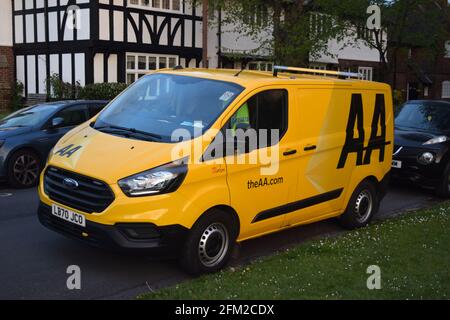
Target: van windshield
[[157, 105]]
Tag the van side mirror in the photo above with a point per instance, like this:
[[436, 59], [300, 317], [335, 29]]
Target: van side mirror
[[57, 122]]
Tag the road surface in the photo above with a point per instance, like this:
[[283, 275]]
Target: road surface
[[34, 260]]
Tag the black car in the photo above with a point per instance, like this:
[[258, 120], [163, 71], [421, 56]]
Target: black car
[[422, 142], [27, 136]]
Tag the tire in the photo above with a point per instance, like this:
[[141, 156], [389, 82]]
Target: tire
[[363, 205], [24, 168], [443, 190], [210, 243]]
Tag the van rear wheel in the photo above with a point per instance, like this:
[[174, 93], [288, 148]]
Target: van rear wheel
[[209, 244], [362, 207]]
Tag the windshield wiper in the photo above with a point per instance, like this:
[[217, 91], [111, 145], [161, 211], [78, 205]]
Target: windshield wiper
[[128, 131]]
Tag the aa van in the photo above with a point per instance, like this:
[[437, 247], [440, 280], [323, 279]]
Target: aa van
[[192, 161]]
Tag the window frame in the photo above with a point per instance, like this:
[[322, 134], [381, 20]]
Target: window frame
[[447, 49], [150, 6], [138, 73], [445, 89], [268, 66], [226, 124], [366, 71]]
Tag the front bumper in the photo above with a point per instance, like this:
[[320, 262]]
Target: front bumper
[[165, 244]]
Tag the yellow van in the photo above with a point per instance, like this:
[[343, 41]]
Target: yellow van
[[191, 161]]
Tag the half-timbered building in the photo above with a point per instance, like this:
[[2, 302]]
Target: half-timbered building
[[88, 41]]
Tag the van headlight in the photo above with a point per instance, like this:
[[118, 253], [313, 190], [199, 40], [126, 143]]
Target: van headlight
[[436, 140], [164, 179]]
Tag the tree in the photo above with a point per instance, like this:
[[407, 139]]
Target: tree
[[405, 24], [298, 29], [301, 29]]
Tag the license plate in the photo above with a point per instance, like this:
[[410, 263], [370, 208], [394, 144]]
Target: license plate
[[68, 215], [396, 164]]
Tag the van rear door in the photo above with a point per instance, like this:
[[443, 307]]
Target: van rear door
[[323, 114]]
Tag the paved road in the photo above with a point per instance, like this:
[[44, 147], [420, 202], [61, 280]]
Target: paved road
[[33, 260]]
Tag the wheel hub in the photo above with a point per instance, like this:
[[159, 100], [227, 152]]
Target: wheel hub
[[213, 245], [26, 169], [363, 206]]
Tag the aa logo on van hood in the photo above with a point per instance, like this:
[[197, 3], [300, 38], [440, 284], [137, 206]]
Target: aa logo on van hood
[[68, 151]]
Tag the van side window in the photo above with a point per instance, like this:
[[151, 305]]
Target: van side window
[[267, 110]]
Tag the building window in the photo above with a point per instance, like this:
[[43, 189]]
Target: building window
[[176, 6], [166, 5], [366, 73], [260, 66], [258, 15], [446, 89], [447, 49], [318, 67], [139, 64]]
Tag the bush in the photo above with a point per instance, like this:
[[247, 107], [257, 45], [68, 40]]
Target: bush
[[60, 90], [17, 99], [101, 91]]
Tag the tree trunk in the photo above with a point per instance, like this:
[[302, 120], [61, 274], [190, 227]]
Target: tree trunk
[[205, 34], [277, 37]]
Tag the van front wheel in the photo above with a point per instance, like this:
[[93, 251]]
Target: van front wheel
[[362, 207], [209, 244]]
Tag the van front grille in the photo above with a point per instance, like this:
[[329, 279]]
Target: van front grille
[[76, 191]]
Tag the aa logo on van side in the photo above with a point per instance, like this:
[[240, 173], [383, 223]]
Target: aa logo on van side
[[376, 142]]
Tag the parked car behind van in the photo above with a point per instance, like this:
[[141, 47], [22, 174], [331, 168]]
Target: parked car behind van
[[27, 136], [422, 144], [191, 161]]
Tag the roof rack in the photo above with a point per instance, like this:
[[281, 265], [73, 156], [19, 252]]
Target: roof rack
[[277, 69]]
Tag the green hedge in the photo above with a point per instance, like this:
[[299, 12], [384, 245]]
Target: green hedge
[[101, 91]]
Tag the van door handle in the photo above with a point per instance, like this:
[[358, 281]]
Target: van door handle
[[290, 152], [310, 148]]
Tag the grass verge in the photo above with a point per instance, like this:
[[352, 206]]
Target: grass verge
[[413, 253]]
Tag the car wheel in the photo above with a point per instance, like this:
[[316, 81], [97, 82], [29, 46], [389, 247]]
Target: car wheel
[[362, 207], [24, 168], [210, 243], [443, 189]]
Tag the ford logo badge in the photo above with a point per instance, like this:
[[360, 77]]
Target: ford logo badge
[[70, 183]]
